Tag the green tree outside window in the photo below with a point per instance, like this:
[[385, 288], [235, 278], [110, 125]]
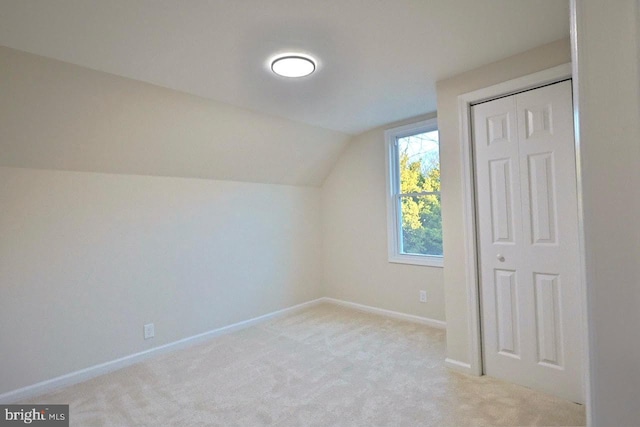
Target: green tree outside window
[[419, 194]]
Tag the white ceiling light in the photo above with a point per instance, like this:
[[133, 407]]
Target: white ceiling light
[[293, 65]]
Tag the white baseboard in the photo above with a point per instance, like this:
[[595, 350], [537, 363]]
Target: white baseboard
[[459, 366], [439, 324], [81, 375]]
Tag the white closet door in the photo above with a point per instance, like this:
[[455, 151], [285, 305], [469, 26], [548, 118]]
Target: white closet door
[[528, 239]]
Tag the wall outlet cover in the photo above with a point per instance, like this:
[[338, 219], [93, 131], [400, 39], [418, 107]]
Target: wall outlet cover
[[423, 296], [149, 331]]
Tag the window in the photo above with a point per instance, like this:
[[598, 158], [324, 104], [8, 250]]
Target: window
[[413, 194]]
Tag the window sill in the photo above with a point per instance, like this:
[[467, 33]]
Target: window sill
[[426, 261]]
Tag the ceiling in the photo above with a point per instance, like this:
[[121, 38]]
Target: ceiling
[[378, 61]]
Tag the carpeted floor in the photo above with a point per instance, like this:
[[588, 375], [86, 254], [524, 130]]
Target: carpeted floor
[[325, 366]]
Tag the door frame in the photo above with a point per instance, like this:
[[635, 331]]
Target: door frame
[[465, 101]]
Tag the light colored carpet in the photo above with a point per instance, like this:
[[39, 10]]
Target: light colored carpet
[[325, 366]]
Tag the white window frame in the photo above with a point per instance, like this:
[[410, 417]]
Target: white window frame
[[394, 233]]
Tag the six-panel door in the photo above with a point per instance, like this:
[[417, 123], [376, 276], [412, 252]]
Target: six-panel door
[[528, 239]]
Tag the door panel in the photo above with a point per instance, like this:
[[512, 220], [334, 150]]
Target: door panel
[[542, 196], [528, 239], [549, 319], [501, 200], [507, 313]]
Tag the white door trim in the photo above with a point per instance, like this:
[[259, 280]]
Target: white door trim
[[465, 101], [575, 11]]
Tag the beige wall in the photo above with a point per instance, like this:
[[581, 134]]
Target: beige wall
[[354, 209], [86, 259], [448, 90], [55, 115], [609, 110]]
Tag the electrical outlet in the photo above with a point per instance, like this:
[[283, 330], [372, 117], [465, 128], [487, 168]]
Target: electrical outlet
[[149, 331], [423, 296]]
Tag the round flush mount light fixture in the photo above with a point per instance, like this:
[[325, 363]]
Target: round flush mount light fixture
[[293, 65]]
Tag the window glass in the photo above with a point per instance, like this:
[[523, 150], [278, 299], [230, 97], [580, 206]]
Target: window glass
[[414, 212], [419, 193]]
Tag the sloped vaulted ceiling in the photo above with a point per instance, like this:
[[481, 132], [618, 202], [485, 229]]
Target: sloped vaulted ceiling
[[54, 115], [378, 61]]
